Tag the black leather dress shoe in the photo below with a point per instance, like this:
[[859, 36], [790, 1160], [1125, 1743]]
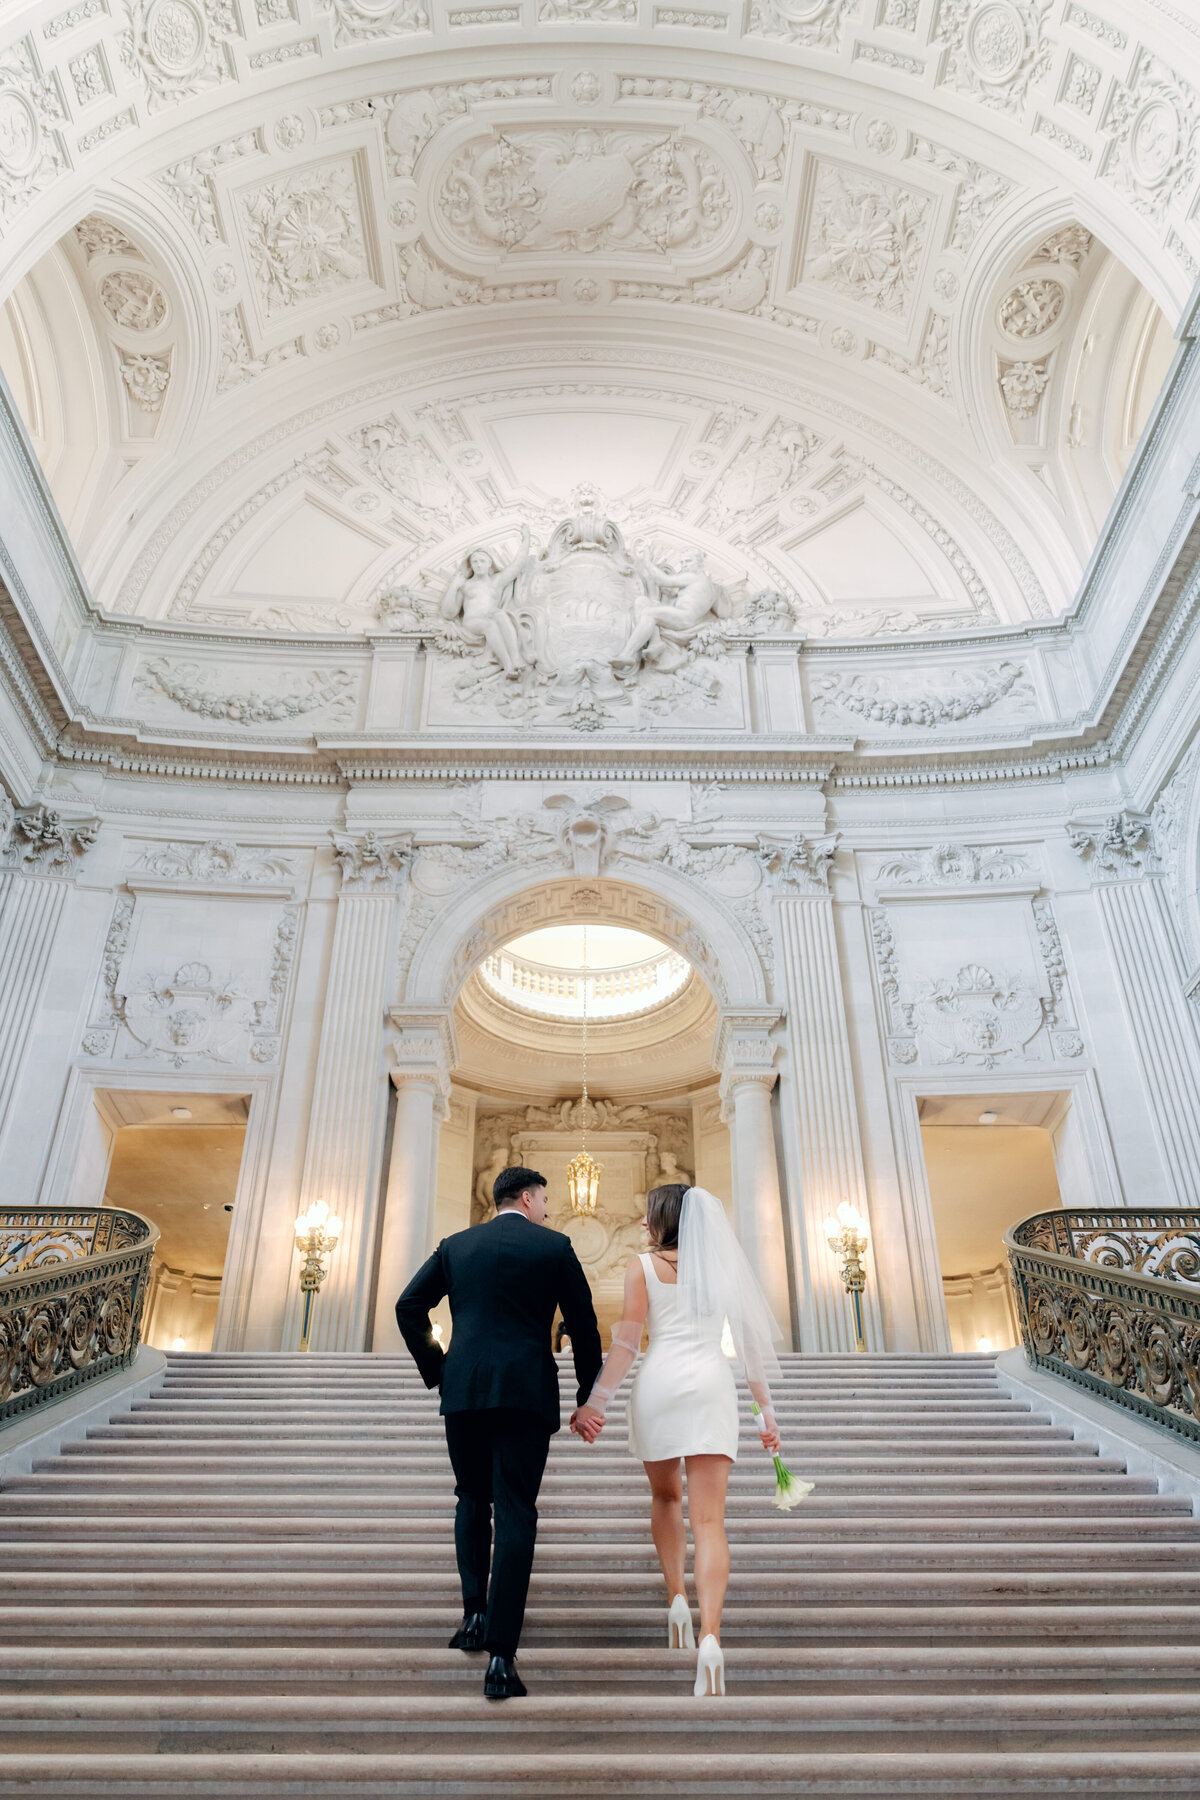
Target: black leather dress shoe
[[502, 1681], [469, 1635]]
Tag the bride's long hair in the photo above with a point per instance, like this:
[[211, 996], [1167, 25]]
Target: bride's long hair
[[664, 1209]]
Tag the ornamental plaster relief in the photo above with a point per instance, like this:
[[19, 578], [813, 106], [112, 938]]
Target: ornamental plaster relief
[[584, 190], [177, 49], [1153, 147], [366, 21], [416, 480], [865, 238], [919, 699], [592, 834], [997, 53], [190, 980], [996, 50], [164, 685], [808, 24], [216, 861], [722, 157], [304, 235], [39, 840], [943, 1007], [32, 111]]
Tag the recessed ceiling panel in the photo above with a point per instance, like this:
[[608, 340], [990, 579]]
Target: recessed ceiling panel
[[621, 453]]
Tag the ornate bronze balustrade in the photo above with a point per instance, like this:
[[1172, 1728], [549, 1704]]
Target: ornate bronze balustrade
[[1111, 1301], [73, 1285]]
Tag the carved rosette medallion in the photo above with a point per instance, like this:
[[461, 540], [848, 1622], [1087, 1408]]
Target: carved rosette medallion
[[176, 36], [995, 42]]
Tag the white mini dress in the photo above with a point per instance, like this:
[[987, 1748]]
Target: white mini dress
[[684, 1399]]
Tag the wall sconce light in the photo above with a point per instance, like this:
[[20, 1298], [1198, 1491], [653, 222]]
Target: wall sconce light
[[317, 1233], [846, 1236]]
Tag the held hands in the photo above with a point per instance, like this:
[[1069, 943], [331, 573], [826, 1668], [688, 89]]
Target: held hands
[[587, 1422]]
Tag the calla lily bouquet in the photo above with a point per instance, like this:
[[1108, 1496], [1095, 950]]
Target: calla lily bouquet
[[790, 1489]]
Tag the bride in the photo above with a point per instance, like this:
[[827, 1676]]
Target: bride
[[693, 1279]]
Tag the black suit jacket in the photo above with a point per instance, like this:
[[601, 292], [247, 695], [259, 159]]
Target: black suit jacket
[[505, 1280]]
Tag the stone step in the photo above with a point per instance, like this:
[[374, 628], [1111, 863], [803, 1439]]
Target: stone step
[[916, 1396], [986, 1667], [1121, 1528], [59, 1498], [659, 1725], [952, 1775], [335, 1430], [582, 1588], [244, 1585], [630, 1623], [593, 1475], [593, 1462], [559, 1556]]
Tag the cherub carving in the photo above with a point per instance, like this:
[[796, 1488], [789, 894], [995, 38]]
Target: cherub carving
[[479, 596], [693, 596]]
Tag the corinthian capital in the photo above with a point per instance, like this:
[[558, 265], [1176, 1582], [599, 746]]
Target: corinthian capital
[[40, 841], [372, 863], [1120, 846], [798, 865]]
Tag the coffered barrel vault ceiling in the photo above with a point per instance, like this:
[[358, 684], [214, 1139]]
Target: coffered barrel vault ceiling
[[865, 300]]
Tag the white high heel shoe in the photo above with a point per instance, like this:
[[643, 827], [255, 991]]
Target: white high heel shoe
[[710, 1670], [679, 1625]]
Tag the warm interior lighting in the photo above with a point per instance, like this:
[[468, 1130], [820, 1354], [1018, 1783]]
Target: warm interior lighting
[[848, 1219], [583, 1183], [181, 1112], [319, 1218], [983, 1343], [179, 1344], [439, 1333], [583, 1172], [989, 1117], [846, 1235]]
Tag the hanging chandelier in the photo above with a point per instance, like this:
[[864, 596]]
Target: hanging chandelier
[[583, 1172]]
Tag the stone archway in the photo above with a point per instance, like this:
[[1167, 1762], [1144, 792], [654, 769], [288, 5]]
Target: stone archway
[[594, 858]]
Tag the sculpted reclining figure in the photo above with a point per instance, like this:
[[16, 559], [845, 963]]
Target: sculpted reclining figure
[[479, 596]]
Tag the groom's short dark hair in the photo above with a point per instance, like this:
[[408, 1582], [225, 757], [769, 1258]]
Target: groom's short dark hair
[[511, 1182]]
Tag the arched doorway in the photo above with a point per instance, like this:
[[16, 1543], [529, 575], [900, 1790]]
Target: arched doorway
[[490, 1071]]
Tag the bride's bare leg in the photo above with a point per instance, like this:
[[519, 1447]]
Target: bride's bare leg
[[707, 1479], [666, 1521]]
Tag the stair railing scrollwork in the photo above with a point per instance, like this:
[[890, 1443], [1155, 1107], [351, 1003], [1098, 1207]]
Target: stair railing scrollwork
[[1111, 1301], [73, 1286]]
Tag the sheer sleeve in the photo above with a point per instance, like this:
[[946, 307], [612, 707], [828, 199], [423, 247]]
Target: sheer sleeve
[[626, 1342], [626, 1339]]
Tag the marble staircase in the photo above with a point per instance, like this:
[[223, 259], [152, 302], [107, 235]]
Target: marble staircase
[[244, 1584]]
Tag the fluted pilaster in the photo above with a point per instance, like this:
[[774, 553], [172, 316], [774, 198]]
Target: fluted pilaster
[[345, 1134], [820, 1117], [424, 1054], [1141, 940], [43, 851]]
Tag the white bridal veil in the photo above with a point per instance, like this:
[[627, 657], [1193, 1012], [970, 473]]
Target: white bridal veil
[[717, 1282]]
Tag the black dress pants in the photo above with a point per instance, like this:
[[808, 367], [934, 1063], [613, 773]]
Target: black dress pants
[[498, 1457]]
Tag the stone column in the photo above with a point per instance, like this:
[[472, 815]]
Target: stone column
[[40, 853], [817, 1097], [346, 1121], [745, 1054], [1143, 943], [424, 1054]]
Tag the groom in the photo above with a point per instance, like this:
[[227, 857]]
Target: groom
[[499, 1387]]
